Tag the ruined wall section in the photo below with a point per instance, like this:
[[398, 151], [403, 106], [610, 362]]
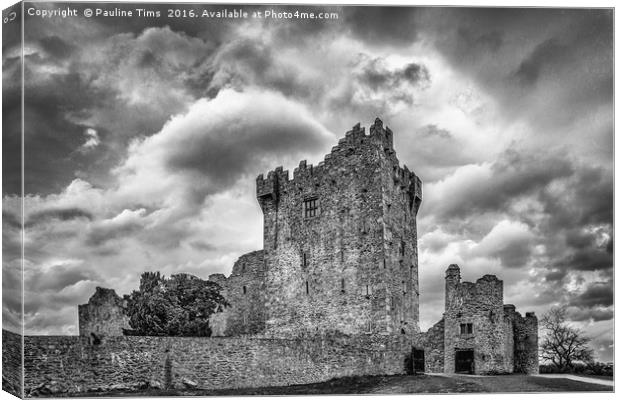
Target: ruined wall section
[[509, 334], [526, 343], [480, 304], [103, 315], [330, 271], [244, 291], [432, 342]]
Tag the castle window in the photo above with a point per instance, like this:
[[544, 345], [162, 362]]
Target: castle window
[[245, 290], [342, 285], [402, 248], [311, 207], [384, 264], [467, 329], [368, 291], [307, 288], [95, 339], [305, 260]]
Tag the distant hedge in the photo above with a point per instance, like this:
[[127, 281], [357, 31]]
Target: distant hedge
[[595, 368]]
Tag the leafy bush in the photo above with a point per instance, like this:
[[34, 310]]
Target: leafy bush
[[177, 306]]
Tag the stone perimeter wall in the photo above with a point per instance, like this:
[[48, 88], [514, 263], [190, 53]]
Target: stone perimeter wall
[[12, 363], [71, 364]]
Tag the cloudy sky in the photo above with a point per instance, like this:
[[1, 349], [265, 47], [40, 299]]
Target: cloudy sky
[[143, 139]]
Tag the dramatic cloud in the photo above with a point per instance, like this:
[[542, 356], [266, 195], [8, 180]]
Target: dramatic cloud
[[60, 214], [92, 139], [510, 242], [217, 141], [597, 294], [513, 176]]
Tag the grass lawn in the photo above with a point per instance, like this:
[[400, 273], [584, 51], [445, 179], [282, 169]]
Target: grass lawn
[[392, 385]]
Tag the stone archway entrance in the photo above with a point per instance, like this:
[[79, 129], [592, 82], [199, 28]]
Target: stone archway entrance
[[464, 361]]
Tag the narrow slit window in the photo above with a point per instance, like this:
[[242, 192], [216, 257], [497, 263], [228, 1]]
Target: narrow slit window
[[342, 285], [245, 290], [307, 288], [305, 260], [311, 207]]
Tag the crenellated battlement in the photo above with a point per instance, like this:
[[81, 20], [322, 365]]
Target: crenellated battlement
[[486, 290], [355, 142]]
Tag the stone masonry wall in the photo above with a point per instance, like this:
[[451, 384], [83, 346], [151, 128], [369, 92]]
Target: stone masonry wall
[[480, 304], [509, 346], [353, 266], [432, 341], [72, 364], [526, 343], [12, 363], [102, 315], [244, 290]]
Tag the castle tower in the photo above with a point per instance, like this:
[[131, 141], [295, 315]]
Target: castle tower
[[340, 241]]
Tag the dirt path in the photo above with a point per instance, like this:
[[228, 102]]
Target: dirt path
[[579, 378], [531, 383]]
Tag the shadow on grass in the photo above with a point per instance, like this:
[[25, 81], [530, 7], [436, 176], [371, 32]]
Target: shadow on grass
[[384, 385]]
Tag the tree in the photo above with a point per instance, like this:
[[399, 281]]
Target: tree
[[177, 306], [563, 344]]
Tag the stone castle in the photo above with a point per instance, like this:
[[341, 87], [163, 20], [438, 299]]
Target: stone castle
[[340, 257]]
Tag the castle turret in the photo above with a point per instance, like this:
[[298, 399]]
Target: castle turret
[[530, 338], [382, 135]]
